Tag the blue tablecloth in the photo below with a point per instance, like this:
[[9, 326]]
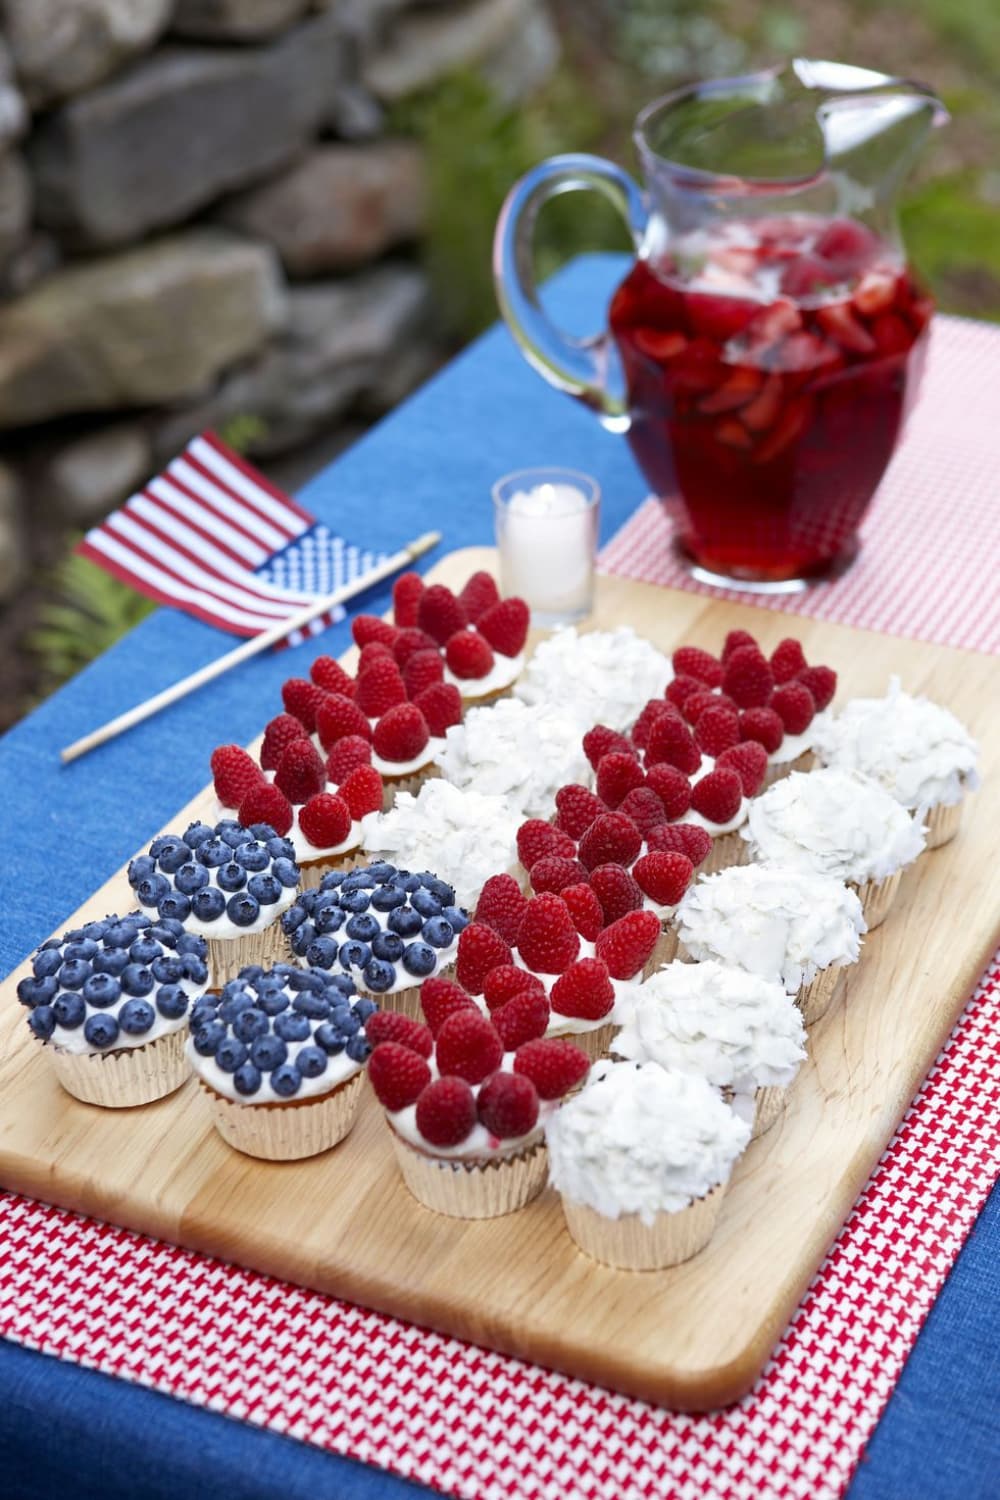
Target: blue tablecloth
[[66, 1431]]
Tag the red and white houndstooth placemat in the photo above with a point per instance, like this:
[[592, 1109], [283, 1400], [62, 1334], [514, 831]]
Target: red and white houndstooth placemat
[[472, 1423]]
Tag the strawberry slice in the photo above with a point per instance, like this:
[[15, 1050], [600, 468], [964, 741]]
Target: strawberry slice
[[732, 432], [840, 323], [806, 351], [763, 409], [891, 334], [699, 368], [790, 425], [806, 274], [875, 293], [846, 243], [735, 391], [719, 318], [659, 344]]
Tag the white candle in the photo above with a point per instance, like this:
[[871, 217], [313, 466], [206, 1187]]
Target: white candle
[[547, 534]]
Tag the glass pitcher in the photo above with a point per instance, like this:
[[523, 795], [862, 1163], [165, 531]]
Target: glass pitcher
[[766, 345]]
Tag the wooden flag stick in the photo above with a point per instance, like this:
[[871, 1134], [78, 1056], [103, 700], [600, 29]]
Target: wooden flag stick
[[250, 648]]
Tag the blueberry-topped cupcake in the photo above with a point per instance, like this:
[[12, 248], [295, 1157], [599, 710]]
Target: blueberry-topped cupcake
[[387, 929], [229, 884], [280, 1054], [111, 1000]]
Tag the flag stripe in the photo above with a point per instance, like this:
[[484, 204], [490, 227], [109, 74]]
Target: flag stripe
[[224, 462], [246, 552], [268, 537]]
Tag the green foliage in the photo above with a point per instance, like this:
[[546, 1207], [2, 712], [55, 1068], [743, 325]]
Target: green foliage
[[86, 610], [953, 236], [242, 431]]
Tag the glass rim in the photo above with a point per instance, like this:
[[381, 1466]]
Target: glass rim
[[591, 488]]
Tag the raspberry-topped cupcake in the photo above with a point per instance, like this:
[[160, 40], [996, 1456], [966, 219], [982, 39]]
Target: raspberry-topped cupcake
[[523, 754], [603, 675], [110, 1000]]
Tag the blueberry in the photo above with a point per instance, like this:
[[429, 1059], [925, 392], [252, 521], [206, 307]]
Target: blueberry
[[191, 942], [419, 960], [354, 955], [382, 871], [405, 921], [168, 969], [355, 901], [287, 871], [265, 889], [190, 878], [307, 979], [286, 1080], [426, 903], [263, 832], [74, 974], [140, 869], [253, 855], [388, 945], [202, 1012], [292, 918], [208, 1038], [322, 953], [281, 848], [267, 1052], [136, 1016], [457, 917], [233, 835], [438, 932], [100, 1030], [234, 1005], [171, 1001], [247, 1080], [172, 855], [32, 991], [102, 990], [249, 1024], [387, 898], [70, 1010], [232, 1054], [332, 879], [214, 852], [209, 904], [359, 1049], [47, 962], [363, 1008], [292, 1027], [329, 918], [162, 842], [84, 949], [342, 984], [150, 893], [120, 934], [308, 1003], [311, 1062], [348, 1023], [231, 876], [42, 1022], [330, 1038], [379, 976], [360, 880], [408, 882], [110, 961], [363, 927], [302, 937], [175, 905], [268, 982], [272, 1003], [242, 909], [144, 950], [197, 834], [195, 968]]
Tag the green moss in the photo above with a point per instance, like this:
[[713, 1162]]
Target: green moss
[[86, 610], [953, 237]]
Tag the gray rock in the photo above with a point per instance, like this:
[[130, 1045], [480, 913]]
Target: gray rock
[[62, 46], [154, 324], [427, 44], [36, 258], [85, 478], [235, 20], [164, 139], [13, 109], [338, 207], [13, 553], [527, 58], [15, 205]]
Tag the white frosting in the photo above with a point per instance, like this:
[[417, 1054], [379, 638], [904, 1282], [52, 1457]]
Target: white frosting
[[918, 751], [464, 836], [427, 756], [479, 1143], [835, 823], [733, 1028], [638, 1139], [604, 676], [224, 927], [794, 745], [504, 671], [523, 754], [338, 1070], [718, 829], [72, 1039], [778, 921], [303, 848]]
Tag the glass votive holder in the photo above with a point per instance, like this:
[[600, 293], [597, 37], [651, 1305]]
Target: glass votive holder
[[547, 522]]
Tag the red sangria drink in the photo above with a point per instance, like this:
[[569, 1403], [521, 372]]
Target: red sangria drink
[[769, 364]]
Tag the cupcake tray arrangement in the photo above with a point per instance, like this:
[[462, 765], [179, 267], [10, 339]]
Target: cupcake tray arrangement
[[692, 1337]]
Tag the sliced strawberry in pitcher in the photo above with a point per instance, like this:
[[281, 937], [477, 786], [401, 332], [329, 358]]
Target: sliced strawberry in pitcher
[[764, 408], [806, 275], [732, 432], [659, 344], [806, 351], [875, 292], [846, 244], [840, 323], [891, 333], [699, 367], [735, 391], [719, 318], [792, 422]]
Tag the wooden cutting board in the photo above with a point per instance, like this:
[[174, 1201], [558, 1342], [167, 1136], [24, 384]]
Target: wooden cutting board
[[694, 1337]]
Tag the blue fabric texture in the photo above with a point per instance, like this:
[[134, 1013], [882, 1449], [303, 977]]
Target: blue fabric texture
[[66, 829]]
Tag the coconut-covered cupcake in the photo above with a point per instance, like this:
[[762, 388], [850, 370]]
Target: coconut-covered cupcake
[[520, 753], [279, 1053], [110, 1000], [641, 1158], [386, 929], [602, 675], [787, 925], [228, 884], [837, 823], [918, 751], [743, 1034]]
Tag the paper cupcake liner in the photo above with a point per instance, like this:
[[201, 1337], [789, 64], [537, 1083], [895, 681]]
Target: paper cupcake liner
[[665, 952], [125, 1076], [804, 762], [470, 700], [727, 850], [769, 1102], [482, 1189], [287, 1132], [815, 998], [630, 1245], [412, 782], [227, 956], [942, 824], [877, 897], [596, 1043], [311, 871]]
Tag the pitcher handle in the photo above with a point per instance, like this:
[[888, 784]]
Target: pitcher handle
[[587, 368]]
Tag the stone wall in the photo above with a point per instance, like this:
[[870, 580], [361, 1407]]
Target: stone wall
[[203, 219]]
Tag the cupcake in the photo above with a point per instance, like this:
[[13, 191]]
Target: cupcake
[[480, 637], [520, 753], [918, 751], [741, 1033], [228, 884], [467, 1118], [641, 1157], [110, 1000], [837, 823], [280, 1055], [602, 675], [785, 924], [386, 929]]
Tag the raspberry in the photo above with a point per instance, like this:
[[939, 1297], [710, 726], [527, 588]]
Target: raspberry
[[329, 675], [468, 1046], [234, 772], [664, 877], [390, 1026], [717, 729], [552, 872], [446, 1112], [440, 613], [628, 943], [585, 909], [655, 709], [547, 940], [822, 683], [734, 640], [338, 716], [423, 669], [576, 809], [617, 774], [325, 820], [749, 761], [401, 733], [522, 1018], [264, 803], [584, 990], [408, 642], [507, 980], [302, 700], [787, 660], [764, 726], [398, 1074], [553, 1065], [480, 949], [794, 706], [362, 790], [685, 838], [601, 741], [278, 735], [748, 678], [670, 740], [380, 687], [479, 594], [365, 628], [301, 773], [505, 626], [369, 654], [612, 839], [617, 891], [718, 795], [692, 661], [681, 689], [695, 704], [508, 1106], [501, 906], [347, 754], [440, 998], [672, 787], [406, 595], [441, 706], [537, 838], [645, 809], [469, 655]]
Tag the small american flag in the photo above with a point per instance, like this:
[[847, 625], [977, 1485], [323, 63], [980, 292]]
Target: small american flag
[[212, 536]]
